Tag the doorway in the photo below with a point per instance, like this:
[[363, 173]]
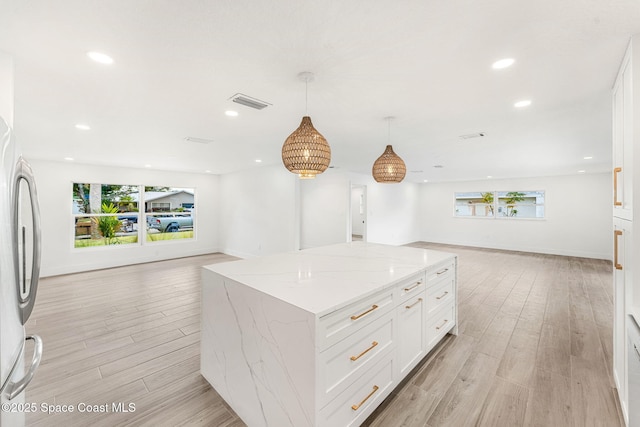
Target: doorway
[[358, 213]]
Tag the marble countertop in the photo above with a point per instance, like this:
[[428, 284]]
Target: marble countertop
[[324, 279]]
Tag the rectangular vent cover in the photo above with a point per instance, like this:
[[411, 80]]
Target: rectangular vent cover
[[198, 140], [472, 135], [249, 101]]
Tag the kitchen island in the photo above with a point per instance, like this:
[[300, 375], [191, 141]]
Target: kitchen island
[[320, 337]]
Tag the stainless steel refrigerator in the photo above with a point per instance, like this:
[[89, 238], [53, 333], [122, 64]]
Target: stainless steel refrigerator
[[19, 273]]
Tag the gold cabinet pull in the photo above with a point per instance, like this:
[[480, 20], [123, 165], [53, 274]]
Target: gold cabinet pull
[[443, 323], [616, 202], [373, 307], [373, 344], [616, 234], [442, 271], [415, 285], [411, 306], [443, 295], [356, 407]]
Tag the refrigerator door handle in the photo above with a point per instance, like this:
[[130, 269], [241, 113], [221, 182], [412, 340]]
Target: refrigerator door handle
[[26, 302], [15, 388]]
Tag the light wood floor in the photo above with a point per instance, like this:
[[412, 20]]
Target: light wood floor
[[534, 347]]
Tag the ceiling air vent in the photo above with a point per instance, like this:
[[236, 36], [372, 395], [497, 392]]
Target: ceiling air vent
[[198, 140], [248, 101], [472, 135]]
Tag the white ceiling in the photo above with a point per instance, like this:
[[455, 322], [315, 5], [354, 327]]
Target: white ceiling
[[426, 62]]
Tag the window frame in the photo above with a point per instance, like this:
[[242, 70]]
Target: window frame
[[142, 230], [497, 208]]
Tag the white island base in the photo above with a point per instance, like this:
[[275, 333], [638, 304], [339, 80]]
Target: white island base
[[320, 337]]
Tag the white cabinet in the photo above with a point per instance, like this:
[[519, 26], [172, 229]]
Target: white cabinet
[[321, 337], [626, 183], [412, 337], [623, 251], [622, 121]]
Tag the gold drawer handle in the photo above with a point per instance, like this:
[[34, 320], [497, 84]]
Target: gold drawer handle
[[442, 271], [616, 202], [443, 323], [373, 307], [616, 234], [411, 306], [443, 295], [373, 344], [418, 283], [356, 407]]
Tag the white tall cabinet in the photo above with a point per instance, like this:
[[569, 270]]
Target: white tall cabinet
[[626, 183]]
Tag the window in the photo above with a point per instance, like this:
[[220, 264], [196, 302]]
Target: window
[[107, 214], [478, 204], [169, 213], [500, 204], [520, 204]]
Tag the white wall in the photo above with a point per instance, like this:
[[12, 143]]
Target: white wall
[[392, 210], [54, 186], [357, 218], [577, 210], [6, 88], [324, 209], [258, 213]]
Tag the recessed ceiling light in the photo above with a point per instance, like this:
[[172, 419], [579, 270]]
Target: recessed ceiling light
[[207, 171], [258, 161], [503, 63], [147, 166], [489, 176], [69, 159], [582, 171], [82, 126], [588, 157], [231, 113], [100, 57], [523, 103], [426, 180]]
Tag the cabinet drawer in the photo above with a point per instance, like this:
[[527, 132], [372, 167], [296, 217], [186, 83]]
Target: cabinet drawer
[[440, 324], [441, 294], [341, 323], [446, 270], [410, 287], [358, 401], [342, 362]]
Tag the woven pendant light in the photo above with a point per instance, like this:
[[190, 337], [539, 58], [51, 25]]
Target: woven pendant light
[[389, 167], [306, 152]]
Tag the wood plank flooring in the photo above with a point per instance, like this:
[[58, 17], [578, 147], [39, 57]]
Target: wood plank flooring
[[534, 347]]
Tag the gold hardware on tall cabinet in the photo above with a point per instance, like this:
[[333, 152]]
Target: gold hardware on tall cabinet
[[356, 407], [418, 283], [373, 344], [373, 307], [616, 234], [443, 295], [442, 271], [443, 323], [615, 187], [410, 306]]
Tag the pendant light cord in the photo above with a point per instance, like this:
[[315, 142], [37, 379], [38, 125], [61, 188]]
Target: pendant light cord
[[306, 96]]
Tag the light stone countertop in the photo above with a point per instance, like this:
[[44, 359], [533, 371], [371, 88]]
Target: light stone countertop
[[324, 279]]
